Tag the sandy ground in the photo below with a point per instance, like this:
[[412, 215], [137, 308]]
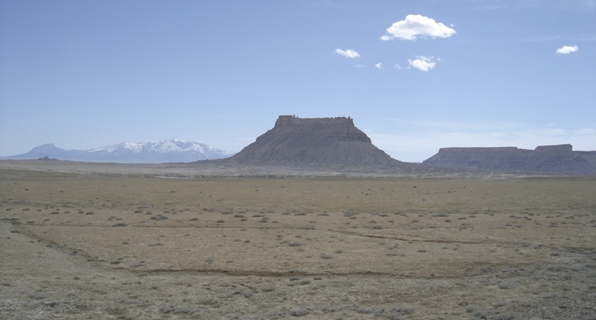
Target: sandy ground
[[113, 244]]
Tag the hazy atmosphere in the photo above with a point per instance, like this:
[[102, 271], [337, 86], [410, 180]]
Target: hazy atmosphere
[[414, 75]]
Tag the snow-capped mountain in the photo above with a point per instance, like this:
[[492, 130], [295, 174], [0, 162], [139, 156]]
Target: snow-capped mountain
[[172, 150]]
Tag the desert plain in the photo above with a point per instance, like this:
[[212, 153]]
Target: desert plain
[[117, 243]]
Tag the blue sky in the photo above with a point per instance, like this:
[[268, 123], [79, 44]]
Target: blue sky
[[415, 75]]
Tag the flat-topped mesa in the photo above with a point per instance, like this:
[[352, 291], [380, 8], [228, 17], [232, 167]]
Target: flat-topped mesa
[[556, 148], [339, 128], [558, 159], [289, 120], [304, 141]]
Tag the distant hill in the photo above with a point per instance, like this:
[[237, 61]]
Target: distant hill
[[556, 159], [315, 142], [172, 150]]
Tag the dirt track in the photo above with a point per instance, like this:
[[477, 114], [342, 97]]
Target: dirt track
[[131, 247]]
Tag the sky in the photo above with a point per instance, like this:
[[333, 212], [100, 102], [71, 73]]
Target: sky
[[415, 75]]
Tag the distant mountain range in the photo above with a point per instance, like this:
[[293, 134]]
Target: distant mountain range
[[172, 150], [332, 145]]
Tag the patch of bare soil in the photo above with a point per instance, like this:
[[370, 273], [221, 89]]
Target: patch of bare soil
[[112, 246]]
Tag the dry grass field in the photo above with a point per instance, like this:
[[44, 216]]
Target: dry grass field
[[130, 246]]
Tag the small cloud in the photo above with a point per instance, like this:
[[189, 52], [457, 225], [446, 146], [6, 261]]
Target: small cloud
[[397, 66], [567, 49], [347, 53], [379, 65], [423, 63], [417, 25]]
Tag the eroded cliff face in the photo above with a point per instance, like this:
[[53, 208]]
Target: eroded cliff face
[[296, 140], [556, 159]]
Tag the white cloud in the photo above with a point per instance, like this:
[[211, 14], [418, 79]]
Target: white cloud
[[347, 53], [379, 65], [417, 25], [397, 66], [567, 49], [423, 63]]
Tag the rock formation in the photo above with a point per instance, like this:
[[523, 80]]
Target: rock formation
[[314, 141], [556, 159]]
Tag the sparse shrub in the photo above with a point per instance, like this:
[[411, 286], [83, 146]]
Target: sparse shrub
[[505, 316], [268, 289], [364, 310], [247, 293], [38, 296], [400, 310], [299, 312], [506, 285], [470, 309], [498, 304]]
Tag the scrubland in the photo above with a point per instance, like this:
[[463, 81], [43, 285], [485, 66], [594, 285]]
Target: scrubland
[[133, 246]]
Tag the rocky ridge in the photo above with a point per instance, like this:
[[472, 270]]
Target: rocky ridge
[[554, 159]]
